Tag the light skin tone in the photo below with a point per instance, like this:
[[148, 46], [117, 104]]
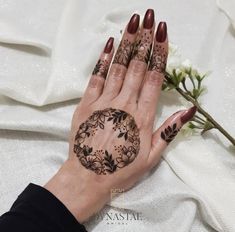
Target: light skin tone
[[101, 158]]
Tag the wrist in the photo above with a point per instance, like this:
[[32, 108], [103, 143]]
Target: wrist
[[78, 191]]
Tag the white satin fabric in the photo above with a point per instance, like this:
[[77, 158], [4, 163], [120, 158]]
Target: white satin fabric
[[47, 51]]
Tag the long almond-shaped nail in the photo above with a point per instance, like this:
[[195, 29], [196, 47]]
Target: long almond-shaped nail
[[188, 114], [133, 24], [161, 32], [149, 19], [109, 45]]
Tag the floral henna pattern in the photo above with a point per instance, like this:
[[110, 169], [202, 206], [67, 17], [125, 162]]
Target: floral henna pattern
[[101, 68], [126, 155], [143, 47], [103, 161], [169, 133], [158, 59], [124, 53]]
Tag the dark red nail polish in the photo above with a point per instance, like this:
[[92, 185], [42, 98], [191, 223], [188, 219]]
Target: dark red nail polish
[[188, 114], [109, 45], [161, 32], [133, 24], [149, 19]]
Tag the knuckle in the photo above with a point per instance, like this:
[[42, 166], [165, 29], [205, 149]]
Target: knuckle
[[143, 121], [95, 81], [155, 140], [117, 73], [129, 102], [147, 165], [137, 68], [147, 100], [141, 164], [150, 163], [125, 101], [155, 78]]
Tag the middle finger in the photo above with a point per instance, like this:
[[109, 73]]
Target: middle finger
[[140, 58]]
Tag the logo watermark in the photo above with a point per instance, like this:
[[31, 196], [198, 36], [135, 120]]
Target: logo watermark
[[118, 216]]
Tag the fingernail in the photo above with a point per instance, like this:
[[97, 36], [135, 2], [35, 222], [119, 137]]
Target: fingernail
[[188, 114], [149, 19], [133, 24], [161, 32], [109, 45]]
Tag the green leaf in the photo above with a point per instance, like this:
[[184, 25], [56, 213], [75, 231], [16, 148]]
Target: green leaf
[[198, 77], [207, 126], [195, 93], [191, 125]]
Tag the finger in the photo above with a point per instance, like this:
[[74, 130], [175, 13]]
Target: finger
[[140, 58], [97, 80], [154, 77], [122, 58], [167, 132]]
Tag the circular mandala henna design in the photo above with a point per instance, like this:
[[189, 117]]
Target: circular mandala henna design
[[113, 125]]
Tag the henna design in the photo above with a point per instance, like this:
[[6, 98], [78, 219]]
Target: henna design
[[143, 47], [169, 133], [109, 162], [158, 59], [101, 68], [126, 155], [103, 161], [124, 53]]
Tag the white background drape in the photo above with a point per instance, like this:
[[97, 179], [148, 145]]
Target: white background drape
[[47, 51]]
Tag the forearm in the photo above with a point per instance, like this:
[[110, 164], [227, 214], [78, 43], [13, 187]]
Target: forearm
[[79, 192]]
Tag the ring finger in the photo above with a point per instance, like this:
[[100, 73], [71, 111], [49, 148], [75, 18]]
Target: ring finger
[[121, 60]]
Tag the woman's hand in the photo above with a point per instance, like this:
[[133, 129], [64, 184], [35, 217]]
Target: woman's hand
[[112, 143]]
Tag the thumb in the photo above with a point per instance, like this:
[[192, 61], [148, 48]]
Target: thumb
[[167, 132]]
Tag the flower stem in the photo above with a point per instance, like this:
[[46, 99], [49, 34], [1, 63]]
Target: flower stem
[[207, 116], [197, 121], [203, 112], [199, 118]]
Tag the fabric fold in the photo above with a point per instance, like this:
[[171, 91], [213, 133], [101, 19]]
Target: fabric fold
[[55, 48]]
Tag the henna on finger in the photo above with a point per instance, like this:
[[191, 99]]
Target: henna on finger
[[169, 132], [158, 59], [124, 53], [122, 138], [102, 65], [159, 55], [143, 45], [125, 48], [101, 68]]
